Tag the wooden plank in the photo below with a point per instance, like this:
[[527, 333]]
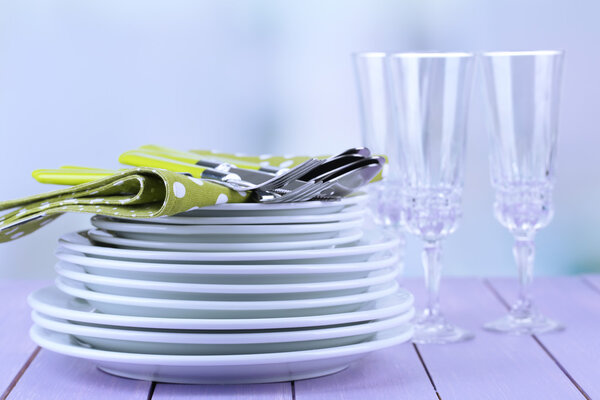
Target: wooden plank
[[275, 391], [576, 304], [395, 373], [14, 325], [54, 376], [492, 366]]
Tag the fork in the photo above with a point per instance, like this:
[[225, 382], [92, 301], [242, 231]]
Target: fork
[[234, 182], [308, 191]]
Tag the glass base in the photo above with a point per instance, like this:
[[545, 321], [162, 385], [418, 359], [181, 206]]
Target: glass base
[[530, 324], [436, 330]]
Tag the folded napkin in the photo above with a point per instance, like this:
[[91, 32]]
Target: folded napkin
[[133, 193]]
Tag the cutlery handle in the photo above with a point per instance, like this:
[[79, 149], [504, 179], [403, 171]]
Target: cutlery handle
[[66, 176], [192, 158], [143, 159]]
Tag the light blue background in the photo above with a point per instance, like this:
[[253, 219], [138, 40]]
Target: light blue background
[[82, 81]]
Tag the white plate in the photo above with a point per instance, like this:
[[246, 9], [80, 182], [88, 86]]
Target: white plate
[[243, 368], [53, 302], [153, 307], [258, 209], [372, 242], [203, 343], [212, 292], [230, 243], [230, 273], [345, 214], [212, 230]]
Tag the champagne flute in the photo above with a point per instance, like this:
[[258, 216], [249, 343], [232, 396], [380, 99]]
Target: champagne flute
[[430, 100], [372, 83], [522, 96]]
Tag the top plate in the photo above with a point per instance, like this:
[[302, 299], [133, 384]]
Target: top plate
[[345, 214], [260, 209]]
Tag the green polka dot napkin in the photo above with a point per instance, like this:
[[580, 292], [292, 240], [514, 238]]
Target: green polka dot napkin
[[133, 193]]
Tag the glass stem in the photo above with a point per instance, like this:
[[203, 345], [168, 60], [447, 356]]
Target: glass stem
[[524, 252], [433, 271]]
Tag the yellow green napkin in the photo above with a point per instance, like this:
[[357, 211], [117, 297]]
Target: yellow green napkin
[[133, 193]]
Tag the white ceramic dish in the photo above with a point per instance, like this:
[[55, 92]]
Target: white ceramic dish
[[230, 243], [218, 292], [222, 369], [211, 230], [282, 209], [207, 343], [372, 242], [345, 214], [53, 302], [230, 273], [153, 307]]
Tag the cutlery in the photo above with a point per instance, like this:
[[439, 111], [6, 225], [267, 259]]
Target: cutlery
[[331, 164], [334, 185], [226, 164]]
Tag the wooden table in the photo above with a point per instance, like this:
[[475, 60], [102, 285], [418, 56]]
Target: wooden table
[[563, 365]]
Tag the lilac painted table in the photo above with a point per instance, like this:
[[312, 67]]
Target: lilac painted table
[[561, 366]]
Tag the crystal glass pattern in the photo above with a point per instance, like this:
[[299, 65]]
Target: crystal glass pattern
[[430, 94], [522, 94], [372, 82]]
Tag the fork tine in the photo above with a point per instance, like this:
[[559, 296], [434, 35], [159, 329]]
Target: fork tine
[[292, 195], [324, 187], [306, 192], [314, 191]]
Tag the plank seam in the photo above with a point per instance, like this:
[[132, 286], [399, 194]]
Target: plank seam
[[497, 294], [293, 390], [573, 381], [427, 371], [151, 390], [591, 284], [17, 377]]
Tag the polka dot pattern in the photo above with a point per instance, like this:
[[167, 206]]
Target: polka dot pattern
[[222, 198], [178, 190]]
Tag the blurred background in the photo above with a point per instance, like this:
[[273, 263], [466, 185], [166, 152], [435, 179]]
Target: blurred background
[[83, 81]]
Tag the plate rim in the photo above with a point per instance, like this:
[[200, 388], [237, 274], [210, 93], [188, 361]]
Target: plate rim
[[390, 273], [352, 211], [356, 198], [403, 334], [402, 299], [386, 242], [347, 236], [232, 229], [300, 335], [227, 269], [372, 293]]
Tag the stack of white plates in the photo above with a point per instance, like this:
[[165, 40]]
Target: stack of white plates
[[235, 293]]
